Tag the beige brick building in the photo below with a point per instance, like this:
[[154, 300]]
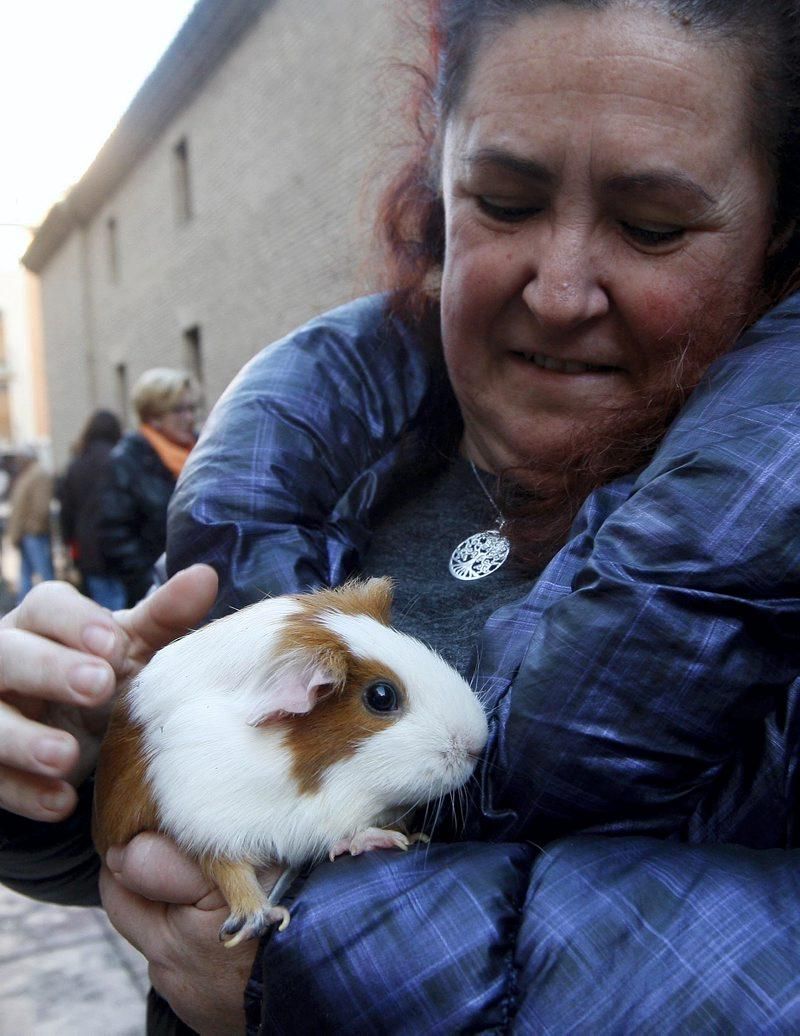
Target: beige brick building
[[228, 205]]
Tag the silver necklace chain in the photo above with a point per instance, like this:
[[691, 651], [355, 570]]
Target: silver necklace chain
[[500, 520], [484, 552]]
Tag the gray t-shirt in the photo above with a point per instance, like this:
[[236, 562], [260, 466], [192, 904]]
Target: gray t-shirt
[[415, 533]]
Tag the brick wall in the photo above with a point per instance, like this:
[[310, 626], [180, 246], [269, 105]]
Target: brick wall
[[280, 141]]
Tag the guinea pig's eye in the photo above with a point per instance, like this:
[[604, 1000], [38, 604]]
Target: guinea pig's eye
[[382, 697]]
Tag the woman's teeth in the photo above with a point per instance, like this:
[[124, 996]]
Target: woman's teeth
[[549, 363]]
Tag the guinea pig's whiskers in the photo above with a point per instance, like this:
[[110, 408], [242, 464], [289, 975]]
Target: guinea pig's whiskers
[[438, 813], [427, 825], [479, 685], [484, 696], [409, 812], [536, 845], [466, 804], [457, 810], [489, 763], [406, 611]]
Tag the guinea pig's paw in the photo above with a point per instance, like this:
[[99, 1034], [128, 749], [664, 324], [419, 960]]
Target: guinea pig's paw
[[238, 928], [368, 839]]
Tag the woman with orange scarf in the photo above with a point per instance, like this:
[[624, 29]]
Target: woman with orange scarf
[[144, 468]]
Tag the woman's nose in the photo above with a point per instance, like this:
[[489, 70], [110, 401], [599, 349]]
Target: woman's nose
[[565, 287]]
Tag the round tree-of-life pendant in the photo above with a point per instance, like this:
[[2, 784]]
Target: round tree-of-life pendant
[[479, 555]]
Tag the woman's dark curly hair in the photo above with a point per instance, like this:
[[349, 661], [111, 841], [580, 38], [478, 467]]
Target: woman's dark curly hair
[[541, 498]]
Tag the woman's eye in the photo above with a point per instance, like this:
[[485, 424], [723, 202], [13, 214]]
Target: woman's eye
[[651, 238], [382, 697], [505, 213]]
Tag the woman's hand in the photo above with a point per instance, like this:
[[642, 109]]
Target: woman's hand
[[61, 658], [158, 899]]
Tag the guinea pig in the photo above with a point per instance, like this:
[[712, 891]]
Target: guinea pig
[[297, 727]]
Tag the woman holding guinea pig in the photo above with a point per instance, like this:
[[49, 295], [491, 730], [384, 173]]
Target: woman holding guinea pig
[[570, 430]]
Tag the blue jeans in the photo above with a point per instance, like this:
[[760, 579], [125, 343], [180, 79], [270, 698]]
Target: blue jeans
[[36, 561], [106, 590]]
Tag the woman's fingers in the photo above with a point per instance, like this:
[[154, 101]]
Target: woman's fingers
[[42, 669], [152, 866], [160, 902], [34, 760], [58, 648], [140, 920], [34, 747], [58, 615], [48, 661], [177, 606], [57, 611], [36, 797], [140, 880]]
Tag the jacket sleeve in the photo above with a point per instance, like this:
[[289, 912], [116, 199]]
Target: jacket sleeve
[[120, 519], [593, 934], [640, 935], [56, 863], [418, 942], [655, 685], [277, 493]]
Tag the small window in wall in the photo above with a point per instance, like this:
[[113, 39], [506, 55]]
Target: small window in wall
[[193, 354], [183, 186], [123, 401], [113, 249]]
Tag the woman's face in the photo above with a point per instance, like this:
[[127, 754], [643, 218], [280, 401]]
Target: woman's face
[[178, 424], [606, 211]]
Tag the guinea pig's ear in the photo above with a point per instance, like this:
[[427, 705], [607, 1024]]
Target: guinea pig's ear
[[294, 686]]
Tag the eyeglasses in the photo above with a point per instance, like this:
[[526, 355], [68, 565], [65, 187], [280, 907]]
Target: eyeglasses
[[183, 408]]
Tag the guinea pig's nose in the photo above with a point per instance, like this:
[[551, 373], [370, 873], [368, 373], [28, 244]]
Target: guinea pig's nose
[[464, 748]]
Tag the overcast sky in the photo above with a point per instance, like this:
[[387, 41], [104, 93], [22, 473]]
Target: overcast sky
[[68, 70]]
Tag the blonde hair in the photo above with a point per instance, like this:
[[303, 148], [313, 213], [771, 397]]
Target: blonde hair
[[158, 390]]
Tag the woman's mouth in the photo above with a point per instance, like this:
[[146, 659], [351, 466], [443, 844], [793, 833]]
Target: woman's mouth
[[550, 363]]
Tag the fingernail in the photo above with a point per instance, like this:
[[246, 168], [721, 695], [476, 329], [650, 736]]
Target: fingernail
[[52, 751], [114, 859], [89, 680], [54, 800], [99, 640]]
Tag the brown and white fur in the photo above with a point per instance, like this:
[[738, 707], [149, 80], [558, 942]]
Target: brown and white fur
[[254, 740]]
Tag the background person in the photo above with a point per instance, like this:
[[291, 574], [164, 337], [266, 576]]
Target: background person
[[143, 469], [29, 523], [80, 495], [607, 199]]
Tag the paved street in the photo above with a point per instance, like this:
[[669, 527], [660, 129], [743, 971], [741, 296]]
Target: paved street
[[64, 971]]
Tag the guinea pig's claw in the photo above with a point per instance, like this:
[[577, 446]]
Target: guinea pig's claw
[[372, 838], [239, 928]]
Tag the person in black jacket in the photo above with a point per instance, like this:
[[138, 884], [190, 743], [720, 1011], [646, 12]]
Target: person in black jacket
[[80, 494], [144, 467]]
